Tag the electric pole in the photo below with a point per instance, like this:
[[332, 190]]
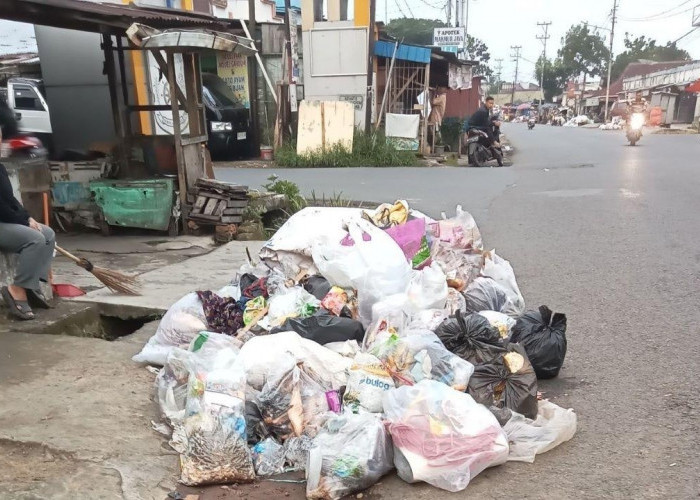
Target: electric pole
[[543, 38], [612, 37], [449, 12], [516, 58], [499, 70]]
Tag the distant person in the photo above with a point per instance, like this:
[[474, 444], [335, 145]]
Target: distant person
[[481, 120], [20, 234]]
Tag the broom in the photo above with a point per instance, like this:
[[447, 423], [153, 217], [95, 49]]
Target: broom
[[114, 280]]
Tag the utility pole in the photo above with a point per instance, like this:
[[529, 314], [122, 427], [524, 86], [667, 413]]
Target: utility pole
[[458, 13], [543, 38], [449, 12], [499, 71], [612, 37], [370, 66], [253, 82], [516, 58]]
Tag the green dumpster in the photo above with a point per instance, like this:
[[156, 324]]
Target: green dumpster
[[146, 204]]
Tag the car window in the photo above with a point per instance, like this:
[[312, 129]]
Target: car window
[[220, 92], [27, 99]]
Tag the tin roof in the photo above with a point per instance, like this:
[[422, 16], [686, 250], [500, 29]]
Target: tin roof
[[103, 17]]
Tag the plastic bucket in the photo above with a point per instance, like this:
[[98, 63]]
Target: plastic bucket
[[266, 153]]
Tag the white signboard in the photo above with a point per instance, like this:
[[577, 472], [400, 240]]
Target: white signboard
[[160, 94], [449, 37]]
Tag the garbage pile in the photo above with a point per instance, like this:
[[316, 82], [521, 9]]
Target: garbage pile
[[362, 342], [617, 123], [578, 121]]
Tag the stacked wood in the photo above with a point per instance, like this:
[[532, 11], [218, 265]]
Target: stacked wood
[[217, 203]]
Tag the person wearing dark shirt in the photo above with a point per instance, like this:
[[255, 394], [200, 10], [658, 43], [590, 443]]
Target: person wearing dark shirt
[[33, 242], [481, 120]]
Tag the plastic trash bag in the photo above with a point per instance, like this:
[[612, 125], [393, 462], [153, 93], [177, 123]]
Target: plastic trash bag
[[265, 356], [509, 381], [471, 337], [553, 426], [341, 302], [366, 259], [411, 238], [543, 335], [317, 285], [459, 231], [461, 266], [183, 321], [348, 349], [253, 308], [388, 315], [455, 302], [427, 289], [503, 322], [323, 327], [484, 294], [387, 215], [419, 356], [291, 303], [368, 380], [296, 452], [294, 403], [171, 385], [350, 454], [268, 457], [216, 449], [428, 319], [442, 436], [500, 270]]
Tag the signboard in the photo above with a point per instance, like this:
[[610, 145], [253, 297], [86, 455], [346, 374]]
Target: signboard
[[294, 43], [232, 68], [160, 95], [449, 37], [450, 48], [355, 99], [592, 101]]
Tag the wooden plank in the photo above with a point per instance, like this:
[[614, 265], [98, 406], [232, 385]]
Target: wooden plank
[[194, 140], [210, 206], [231, 219], [237, 203], [194, 163], [234, 211], [199, 204], [220, 207]]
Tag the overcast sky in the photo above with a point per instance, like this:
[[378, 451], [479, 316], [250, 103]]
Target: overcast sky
[[502, 23]]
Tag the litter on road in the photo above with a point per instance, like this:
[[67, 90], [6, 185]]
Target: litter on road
[[360, 342]]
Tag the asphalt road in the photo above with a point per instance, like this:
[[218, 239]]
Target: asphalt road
[[608, 234]]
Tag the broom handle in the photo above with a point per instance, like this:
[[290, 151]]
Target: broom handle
[[68, 254]]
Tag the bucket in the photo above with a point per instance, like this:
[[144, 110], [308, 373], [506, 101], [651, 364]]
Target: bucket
[[266, 153]]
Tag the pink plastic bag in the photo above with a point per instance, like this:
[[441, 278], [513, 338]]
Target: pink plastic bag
[[412, 240]]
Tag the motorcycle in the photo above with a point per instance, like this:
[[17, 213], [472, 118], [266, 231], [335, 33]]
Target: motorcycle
[[634, 128], [531, 124], [23, 150], [479, 149]]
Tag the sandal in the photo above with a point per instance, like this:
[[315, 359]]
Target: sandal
[[37, 299], [19, 309]]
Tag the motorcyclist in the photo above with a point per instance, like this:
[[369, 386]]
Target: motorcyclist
[[637, 105], [481, 120]]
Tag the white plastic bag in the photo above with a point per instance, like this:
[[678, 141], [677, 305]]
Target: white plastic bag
[[500, 270], [427, 289], [459, 231], [266, 355], [368, 380], [350, 454], [183, 321], [442, 436], [553, 426], [366, 259], [503, 322], [171, 385], [268, 457], [290, 303]]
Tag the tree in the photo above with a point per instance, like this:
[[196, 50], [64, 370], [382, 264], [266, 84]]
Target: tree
[[646, 48], [555, 76], [420, 32], [583, 52]]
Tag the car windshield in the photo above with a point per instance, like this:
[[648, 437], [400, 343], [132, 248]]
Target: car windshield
[[219, 92]]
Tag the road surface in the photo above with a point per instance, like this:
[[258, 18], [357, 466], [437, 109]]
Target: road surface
[[608, 234]]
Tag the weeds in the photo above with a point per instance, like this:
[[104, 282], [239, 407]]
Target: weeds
[[368, 150]]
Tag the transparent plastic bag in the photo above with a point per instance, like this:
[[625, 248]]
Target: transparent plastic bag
[[291, 303], [368, 380], [502, 322], [350, 454], [484, 294], [294, 403], [171, 385], [500, 270], [553, 426], [442, 436], [459, 231], [268, 457], [427, 289], [296, 452], [216, 449]]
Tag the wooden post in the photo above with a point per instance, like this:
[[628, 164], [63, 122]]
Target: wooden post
[[426, 101], [253, 82], [370, 67], [177, 133], [107, 47], [125, 89]]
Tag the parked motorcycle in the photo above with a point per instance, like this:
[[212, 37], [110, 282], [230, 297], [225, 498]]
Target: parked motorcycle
[[479, 149], [634, 128], [531, 124]]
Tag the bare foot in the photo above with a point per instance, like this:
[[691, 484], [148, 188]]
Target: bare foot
[[18, 293]]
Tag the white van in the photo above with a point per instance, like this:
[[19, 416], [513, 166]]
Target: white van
[[25, 97]]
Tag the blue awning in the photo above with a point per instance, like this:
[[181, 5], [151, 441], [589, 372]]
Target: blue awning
[[414, 53]]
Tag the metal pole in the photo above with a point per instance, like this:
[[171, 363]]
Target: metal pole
[[612, 36], [386, 86], [253, 81], [516, 57], [370, 66]]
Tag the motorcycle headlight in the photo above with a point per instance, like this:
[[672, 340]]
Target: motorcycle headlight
[[637, 120], [221, 126]]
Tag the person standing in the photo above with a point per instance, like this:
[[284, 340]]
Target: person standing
[[33, 242]]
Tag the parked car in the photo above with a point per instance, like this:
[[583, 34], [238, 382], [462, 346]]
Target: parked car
[[26, 99], [228, 121]]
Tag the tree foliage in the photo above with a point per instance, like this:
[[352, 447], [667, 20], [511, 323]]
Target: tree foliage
[[642, 47], [555, 76], [419, 31], [583, 52]]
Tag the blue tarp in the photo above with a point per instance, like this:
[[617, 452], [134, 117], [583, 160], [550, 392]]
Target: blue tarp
[[414, 53], [279, 5]]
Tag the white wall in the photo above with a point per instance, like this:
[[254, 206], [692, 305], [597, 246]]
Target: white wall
[[265, 11]]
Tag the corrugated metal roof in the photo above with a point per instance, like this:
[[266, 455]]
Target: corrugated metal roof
[[101, 17], [413, 53]]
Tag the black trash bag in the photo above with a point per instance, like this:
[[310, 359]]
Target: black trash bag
[[484, 294], [543, 335], [507, 382], [471, 337], [318, 286], [324, 328], [246, 280]]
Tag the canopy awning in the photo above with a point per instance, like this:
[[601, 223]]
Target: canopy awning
[[148, 38]]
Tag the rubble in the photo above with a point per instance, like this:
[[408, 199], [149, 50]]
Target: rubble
[[361, 342]]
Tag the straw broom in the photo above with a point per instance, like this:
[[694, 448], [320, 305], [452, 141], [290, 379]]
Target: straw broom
[[114, 280]]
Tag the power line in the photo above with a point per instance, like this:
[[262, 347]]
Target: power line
[[410, 11], [681, 38], [653, 16], [400, 9]]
